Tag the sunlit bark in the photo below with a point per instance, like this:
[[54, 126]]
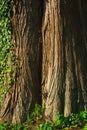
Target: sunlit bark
[[64, 65]]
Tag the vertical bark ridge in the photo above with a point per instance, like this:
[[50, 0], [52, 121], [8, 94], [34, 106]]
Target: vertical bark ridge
[[27, 48], [64, 64], [52, 66]]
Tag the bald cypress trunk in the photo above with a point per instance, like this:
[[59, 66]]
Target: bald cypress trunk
[[64, 64], [27, 47], [60, 62]]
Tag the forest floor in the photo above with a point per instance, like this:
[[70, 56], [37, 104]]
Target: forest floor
[[35, 126], [37, 121], [39, 125]]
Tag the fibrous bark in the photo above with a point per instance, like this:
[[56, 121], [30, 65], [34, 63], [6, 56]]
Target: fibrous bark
[[64, 64], [64, 59], [27, 47]]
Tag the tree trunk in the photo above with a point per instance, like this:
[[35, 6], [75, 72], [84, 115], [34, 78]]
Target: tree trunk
[[27, 47], [64, 59]]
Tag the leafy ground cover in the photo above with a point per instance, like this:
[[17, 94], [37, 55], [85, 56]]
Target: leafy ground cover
[[36, 121]]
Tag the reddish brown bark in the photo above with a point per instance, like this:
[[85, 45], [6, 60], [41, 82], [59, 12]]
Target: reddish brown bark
[[27, 48], [63, 60], [64, 65]]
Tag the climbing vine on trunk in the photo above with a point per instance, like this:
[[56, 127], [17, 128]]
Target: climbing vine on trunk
[[7, 73]]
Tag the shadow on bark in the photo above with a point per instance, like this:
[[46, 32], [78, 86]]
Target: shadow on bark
[[26, 91], [64, 64]]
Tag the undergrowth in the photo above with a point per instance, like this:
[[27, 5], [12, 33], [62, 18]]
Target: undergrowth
[[72, 122], [60, 122]]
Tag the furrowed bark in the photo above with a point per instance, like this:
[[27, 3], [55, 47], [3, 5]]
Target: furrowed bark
[[27, 47], [64, 64]]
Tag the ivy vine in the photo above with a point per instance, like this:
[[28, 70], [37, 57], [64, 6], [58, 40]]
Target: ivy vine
[[6, 69]]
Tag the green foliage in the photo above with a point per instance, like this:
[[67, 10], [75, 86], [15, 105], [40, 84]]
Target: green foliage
[[7, 126], [16, 127], [83, 115], [46, 126], [4, 126], [74, 121], [65, 123], [85, 127], [6, 69], [59, 120], [26, 127], [37, 114]]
